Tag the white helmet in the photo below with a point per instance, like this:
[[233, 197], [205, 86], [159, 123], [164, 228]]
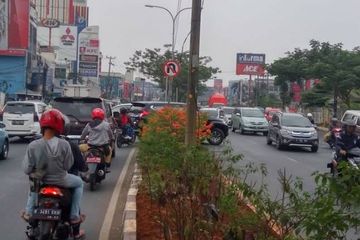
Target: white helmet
[[309, 115]]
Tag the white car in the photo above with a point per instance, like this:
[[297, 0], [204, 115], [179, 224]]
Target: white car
[[21, 118]]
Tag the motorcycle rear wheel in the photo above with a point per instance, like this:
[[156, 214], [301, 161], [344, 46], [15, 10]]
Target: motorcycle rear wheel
[[92, 182], [45, 230]]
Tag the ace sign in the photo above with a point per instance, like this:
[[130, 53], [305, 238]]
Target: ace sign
[[250, 64]]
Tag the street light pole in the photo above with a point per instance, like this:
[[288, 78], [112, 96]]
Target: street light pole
[[191, 108], [168, 95]]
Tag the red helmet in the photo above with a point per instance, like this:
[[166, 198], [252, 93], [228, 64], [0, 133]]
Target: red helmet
[[98, 113], [53, 119]]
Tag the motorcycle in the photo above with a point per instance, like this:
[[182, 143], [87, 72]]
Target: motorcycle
[[331, 137], [353, 159], [121, 140], [51, 217], [95, 159]]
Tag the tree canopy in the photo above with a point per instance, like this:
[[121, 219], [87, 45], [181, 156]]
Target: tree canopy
[[338, 70], [150, 61]]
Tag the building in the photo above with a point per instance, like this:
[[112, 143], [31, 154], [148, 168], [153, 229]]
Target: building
[[18, 47]]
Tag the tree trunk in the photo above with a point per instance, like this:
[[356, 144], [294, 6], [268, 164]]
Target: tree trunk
[[335, 105]]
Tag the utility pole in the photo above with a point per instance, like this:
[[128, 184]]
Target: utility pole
[[108, 94], [191, 98]]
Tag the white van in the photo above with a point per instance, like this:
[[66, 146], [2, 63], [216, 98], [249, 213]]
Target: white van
[[352, 115], [21, 118]]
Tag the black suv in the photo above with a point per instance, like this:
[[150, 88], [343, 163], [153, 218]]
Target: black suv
[[78, 111], [292, 130]]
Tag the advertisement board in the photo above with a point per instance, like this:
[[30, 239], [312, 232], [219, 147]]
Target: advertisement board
[[3, 24], [250, 64], [89, 52], [67, 43]]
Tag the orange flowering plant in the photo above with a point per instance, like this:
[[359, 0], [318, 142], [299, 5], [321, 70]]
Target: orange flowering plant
[[172, 121]]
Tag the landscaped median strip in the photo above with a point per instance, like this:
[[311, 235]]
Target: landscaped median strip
[[129, 232]]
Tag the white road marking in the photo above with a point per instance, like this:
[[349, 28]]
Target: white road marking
[[109, 216], [292, 160]]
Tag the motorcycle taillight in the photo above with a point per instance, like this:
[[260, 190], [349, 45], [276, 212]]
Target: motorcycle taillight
[[51, 192]]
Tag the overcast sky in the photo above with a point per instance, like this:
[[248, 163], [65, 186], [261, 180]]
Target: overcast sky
[[228, 26]]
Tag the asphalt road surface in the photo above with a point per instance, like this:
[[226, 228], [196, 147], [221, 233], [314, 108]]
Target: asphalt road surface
[[298, 162], [14, 187]]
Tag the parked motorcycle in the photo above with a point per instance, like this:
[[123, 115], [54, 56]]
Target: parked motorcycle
[[95, 159], [51, 217]]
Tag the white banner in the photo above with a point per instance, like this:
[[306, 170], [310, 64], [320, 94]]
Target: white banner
[[4, 13], [89, 51]]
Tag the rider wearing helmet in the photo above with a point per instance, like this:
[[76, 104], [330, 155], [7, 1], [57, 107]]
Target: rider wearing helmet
[[49, 159], [347, 140], [99, 133], [311, 118]]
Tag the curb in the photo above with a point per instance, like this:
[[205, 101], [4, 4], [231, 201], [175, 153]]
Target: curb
[[129, 218]]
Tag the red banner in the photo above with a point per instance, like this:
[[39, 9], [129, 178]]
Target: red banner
[[296, 90], [250, 69], [15, 53], [19, 17]]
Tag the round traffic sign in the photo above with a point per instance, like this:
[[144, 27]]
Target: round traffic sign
[[171, 68]]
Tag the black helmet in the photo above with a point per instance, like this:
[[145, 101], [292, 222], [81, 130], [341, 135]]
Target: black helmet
[[350, 123], [123, 111]]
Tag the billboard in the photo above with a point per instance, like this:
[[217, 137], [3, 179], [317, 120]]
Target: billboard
[[67, 43], [218, 85], [3, 24], [89, 52], [250, 64]]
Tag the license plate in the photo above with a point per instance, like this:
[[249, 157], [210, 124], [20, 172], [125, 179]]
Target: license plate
[[17, 122], [47, 214], [93, 160], [302, 141]]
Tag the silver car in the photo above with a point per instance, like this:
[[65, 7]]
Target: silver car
[[249, 120]]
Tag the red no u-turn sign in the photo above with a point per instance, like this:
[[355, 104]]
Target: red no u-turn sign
[[171, 68]]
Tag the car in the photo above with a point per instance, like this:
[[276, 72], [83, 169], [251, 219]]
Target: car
[[78, 111], [269, 112], [352, 115], [292, 130], [21, 118], [228, 111], [248, 119], [120, 106], [4, 142], [219, 128], [214, 113]]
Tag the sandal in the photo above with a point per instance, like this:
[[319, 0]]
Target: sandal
[[80, 236], [25, 216], [78, 220]]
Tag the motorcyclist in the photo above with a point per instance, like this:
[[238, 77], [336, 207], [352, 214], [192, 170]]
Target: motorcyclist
[[330, 136], [125, 124], [98, 134], [49, 159], [335, 123], [346, 141], [311, 118]]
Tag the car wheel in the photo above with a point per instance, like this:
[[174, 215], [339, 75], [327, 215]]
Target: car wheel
[[217, 137], [268, 140], [242, 131], [279, 146], [233, 129], [5, 150], [265, 133], [314, 149]]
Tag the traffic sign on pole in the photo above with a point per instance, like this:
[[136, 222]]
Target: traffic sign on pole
[[171, 68]]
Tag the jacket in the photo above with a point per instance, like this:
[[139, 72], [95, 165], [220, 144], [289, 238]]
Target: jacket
[[99, 133], [346, 142], [46, 164]]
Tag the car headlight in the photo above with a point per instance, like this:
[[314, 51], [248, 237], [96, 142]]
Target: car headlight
[[313, 133], [285, 132]]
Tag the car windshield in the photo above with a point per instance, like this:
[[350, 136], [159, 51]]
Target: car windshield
[[252, 113], [80, 110], [295, 121], [19, 108], [211, 113], [228, 110]]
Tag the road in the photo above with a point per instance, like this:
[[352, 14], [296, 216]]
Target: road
[[14, 188], [298, 162]]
